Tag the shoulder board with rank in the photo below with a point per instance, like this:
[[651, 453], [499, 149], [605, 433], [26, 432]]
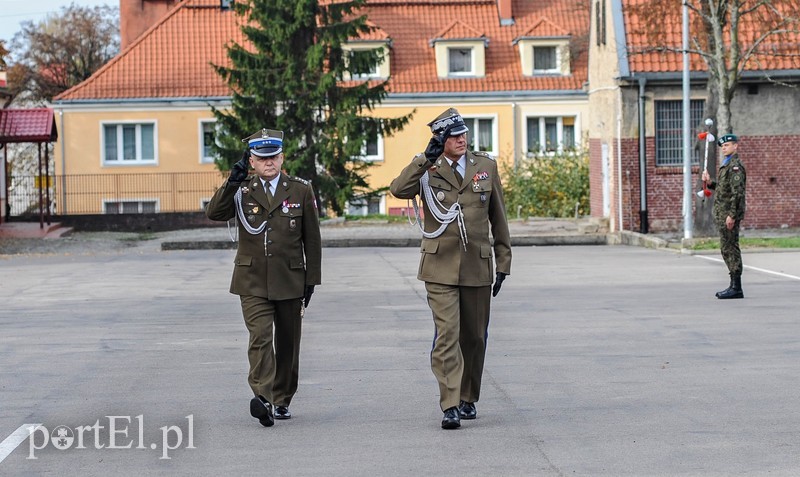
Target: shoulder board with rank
[[483, 154], [297, 179]]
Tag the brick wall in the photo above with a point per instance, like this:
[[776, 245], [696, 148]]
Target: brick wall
[[773, 184]]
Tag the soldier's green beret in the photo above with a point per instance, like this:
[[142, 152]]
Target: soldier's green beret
[[727, 138]]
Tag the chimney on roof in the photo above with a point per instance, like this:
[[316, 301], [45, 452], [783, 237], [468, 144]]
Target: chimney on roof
[[505, 12], [136, 16]]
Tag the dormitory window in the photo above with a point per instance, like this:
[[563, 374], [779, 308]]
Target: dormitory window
[[129, 143], [669, 131]]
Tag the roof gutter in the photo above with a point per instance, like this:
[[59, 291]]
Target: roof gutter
[[702, 76]]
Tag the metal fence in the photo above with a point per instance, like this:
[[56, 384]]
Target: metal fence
[[77, 194]]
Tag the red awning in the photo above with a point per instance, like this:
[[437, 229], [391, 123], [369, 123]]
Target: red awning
[[27, 125]]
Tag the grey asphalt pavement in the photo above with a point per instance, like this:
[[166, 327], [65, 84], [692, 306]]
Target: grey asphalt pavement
[[602, 361]]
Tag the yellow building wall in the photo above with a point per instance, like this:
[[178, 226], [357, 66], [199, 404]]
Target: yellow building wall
[[179, 147], [87, 186], [178, 141]]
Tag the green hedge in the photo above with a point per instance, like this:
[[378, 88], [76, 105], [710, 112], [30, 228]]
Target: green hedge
[[547, 185]]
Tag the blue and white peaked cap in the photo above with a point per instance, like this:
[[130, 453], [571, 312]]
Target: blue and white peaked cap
[[450, 118], [265, 143]]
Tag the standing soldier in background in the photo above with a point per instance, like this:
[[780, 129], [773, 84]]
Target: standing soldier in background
[[278, 263], [462, 197], [729, 206]]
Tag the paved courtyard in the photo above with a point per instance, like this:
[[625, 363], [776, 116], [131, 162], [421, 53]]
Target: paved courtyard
[[602, 360]]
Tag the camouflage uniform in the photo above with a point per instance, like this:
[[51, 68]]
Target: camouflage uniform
[[730, 201]]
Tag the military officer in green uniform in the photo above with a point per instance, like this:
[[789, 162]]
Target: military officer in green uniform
[[462, 200], [277, 265], [729, 207]]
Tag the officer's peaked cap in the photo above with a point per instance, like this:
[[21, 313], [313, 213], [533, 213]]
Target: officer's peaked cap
[[450, 118], [265, 143]]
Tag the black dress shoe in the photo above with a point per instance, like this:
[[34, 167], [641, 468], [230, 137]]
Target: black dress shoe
[[282, 412], [261, 409], [450, 420], [466, 410]]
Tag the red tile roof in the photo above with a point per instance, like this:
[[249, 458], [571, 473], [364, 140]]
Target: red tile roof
[[27, 125], [173, 58], [642, 38], [458, 31], [545, 28]]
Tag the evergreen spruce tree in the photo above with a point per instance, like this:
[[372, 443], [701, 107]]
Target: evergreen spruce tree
[[290, 76]]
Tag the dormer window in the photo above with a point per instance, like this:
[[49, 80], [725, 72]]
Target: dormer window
[[544, 50], [362, 68], [545, 60], [460, 61], [358, 55], [460, 52]]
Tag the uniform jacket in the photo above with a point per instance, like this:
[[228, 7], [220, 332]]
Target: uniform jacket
[[281, 261], [443, 258], [729, 189]]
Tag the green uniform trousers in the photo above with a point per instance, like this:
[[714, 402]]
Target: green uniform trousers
[[274, 363], [729, 247], [461, 317]]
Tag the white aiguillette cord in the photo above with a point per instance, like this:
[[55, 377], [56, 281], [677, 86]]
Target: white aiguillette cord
[[240, 215], [445, 216]]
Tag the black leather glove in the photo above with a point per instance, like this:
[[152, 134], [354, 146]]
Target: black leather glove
[[239, 170], [436, 145], [498, 282], [307, 296], [435, 149]]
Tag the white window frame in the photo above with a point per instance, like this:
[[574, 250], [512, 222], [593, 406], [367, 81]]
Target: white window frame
[[472, 122], [201, 142], [556, 69], [376, 68], [106, 202], [472, 61], [559, 133], [382, 67], [138, 161], [377, 157], [527, 45], [364, 209]]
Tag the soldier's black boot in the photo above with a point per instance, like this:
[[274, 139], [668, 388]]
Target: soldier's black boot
[[730, 285], [735, 291]]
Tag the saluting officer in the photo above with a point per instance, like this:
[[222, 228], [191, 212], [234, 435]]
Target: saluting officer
[[729, 208], [462, 199], [277, 265]]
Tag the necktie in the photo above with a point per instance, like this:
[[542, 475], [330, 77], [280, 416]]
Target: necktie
[[269, 193], [459, 177]]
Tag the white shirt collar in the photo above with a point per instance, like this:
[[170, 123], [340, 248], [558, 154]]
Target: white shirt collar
[[459, 161], [273, 184]]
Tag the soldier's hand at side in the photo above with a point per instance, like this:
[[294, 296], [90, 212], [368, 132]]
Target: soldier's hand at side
[[498, 282], [239, 170], [307, 296]]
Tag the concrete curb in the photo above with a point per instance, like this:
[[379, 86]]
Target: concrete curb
[[516, 241]]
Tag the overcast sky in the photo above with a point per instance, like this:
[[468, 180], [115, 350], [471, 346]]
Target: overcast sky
[[14, 12]]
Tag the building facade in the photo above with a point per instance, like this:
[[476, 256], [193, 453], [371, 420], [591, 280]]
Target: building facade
[[516, 70]]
